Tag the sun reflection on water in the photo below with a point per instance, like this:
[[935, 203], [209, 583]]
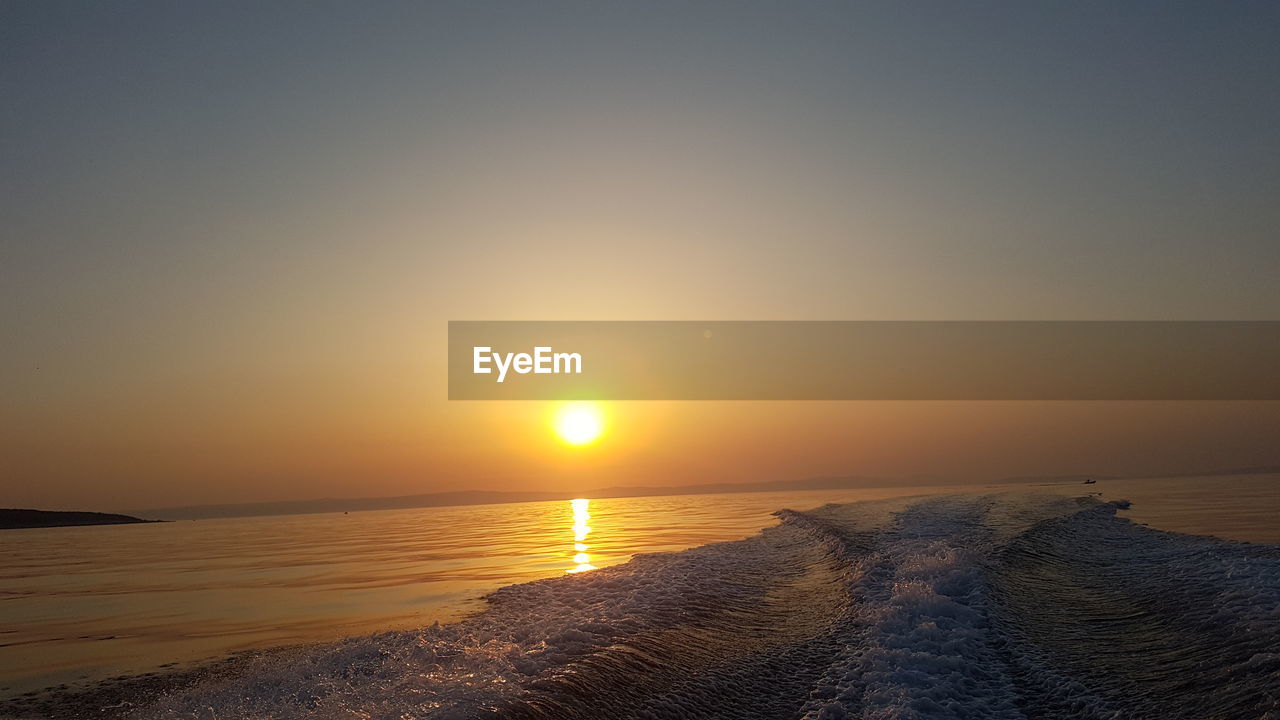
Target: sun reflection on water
[[581, 516]]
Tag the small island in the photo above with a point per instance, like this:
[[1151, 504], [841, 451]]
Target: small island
[[13, 519]]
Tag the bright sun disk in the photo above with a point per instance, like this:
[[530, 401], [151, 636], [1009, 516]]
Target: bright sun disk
[[579, 423]]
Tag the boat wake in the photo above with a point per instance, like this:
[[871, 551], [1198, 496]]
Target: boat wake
[[998, 606]]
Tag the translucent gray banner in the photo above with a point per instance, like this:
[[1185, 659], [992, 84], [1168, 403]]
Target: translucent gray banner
[[864, 360]]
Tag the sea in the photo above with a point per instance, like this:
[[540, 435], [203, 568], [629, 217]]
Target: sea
[[1113, 599]]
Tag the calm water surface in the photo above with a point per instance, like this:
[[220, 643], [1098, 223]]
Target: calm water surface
[[86, 603]]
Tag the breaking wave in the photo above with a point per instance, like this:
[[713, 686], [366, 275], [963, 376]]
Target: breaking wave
[[998, 606]]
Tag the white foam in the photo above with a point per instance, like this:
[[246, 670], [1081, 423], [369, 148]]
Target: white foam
[[960, 607]]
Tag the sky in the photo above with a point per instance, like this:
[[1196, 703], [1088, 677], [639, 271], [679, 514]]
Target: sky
[[233, 233]]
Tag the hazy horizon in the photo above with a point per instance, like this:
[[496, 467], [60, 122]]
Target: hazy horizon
[[462, 496]]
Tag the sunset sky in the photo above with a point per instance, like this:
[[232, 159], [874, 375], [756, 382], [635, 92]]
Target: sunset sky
[[234, 232]]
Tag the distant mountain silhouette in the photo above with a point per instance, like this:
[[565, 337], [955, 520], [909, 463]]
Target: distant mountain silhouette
[[1257, 470], [496, 497], [14, 519]]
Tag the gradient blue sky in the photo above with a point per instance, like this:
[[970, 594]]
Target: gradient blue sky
[[233, 232]]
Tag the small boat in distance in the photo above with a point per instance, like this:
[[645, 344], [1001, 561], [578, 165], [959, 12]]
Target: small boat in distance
[[1089, 481]]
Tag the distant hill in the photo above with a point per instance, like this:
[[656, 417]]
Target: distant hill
[[1052, 479], [1256, 470], [484, 497], [494, 497], [338, 505], [1067, 479], [14, 519]]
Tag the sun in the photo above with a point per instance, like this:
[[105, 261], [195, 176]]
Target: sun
[[579, 423]]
